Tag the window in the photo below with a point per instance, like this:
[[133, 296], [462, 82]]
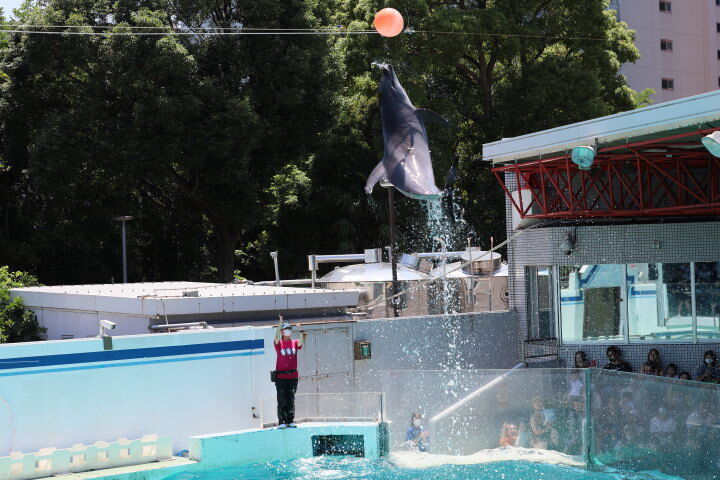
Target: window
[[591, 298], [718, 53], [707, 299], [665, 6], [666, 45], [668, 84], [718, 25], [639, 302], [659, 301], [540, 284]]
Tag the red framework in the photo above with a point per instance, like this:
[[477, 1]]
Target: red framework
[[674, 175]]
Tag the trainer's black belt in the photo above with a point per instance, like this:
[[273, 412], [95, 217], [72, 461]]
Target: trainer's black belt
[[285, 372]]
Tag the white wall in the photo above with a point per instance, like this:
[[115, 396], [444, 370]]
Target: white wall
[[178, 395], [58, 393]]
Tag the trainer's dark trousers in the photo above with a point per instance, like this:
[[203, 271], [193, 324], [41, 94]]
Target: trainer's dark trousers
[[286, 388]]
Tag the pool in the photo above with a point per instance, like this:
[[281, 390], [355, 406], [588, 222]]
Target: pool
[[398, 467]]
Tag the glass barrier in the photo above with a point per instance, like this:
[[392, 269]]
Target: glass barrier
[[327, 407], [630, 421], [644, 422], [470, 410]]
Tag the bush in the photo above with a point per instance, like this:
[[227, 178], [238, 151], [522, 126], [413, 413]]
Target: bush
[[16, 323]]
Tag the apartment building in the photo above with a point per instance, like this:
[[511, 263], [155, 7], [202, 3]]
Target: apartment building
[[679, 43]]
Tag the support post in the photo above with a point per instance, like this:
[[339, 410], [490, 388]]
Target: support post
[[393, 249], [124, 253], [587, 425]]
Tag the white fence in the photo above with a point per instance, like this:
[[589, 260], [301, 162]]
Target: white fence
[[80, 458], [328, 407]]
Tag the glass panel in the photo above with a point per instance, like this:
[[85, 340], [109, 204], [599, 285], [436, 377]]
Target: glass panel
[[649, 423], [465, 412], [659, 301], [591, 299], [707, 299]]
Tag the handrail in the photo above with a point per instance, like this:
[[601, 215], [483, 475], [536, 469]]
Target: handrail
[[474, 394]]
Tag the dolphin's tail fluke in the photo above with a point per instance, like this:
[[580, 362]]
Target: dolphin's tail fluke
[[376, 175]]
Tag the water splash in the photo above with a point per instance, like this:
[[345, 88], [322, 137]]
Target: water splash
[[448, 230]]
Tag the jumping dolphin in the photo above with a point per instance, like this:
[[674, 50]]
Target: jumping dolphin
[[406, 161]]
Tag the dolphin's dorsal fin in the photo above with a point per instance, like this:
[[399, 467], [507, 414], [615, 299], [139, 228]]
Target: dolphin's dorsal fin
[[375, 176], [428, 116]]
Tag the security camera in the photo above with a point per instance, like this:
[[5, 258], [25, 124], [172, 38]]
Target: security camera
[[108, 324], [568, 245]]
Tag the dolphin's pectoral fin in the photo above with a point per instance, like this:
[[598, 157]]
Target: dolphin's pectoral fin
[[428, 116], [376, 175]]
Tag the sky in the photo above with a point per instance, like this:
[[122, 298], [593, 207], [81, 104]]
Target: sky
[[8, 5]]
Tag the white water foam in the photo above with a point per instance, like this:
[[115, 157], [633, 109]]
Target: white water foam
[[419, 460]]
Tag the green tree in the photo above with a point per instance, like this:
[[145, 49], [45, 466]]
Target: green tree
[[16, 323], [225, 148]]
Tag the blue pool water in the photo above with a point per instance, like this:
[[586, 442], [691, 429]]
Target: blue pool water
[[341, 468]]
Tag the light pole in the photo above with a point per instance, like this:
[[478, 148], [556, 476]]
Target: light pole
[[123, 219], [393, 247]]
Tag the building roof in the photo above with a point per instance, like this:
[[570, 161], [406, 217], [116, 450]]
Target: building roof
[[371, 272], [180, 298], [648, 123]]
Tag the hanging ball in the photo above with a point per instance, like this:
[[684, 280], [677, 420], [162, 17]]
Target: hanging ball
[[389, 22]]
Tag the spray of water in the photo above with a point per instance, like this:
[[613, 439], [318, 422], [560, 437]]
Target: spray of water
[[449, 231]]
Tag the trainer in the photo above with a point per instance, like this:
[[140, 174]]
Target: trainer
[[286, 371]]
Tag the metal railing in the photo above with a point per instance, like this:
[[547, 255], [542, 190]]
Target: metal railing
[[328, 407], [542, 348]]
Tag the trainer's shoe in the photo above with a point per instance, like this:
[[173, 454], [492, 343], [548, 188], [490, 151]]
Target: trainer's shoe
[[282, 425], [292, 425]]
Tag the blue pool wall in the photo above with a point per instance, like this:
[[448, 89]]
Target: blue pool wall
[[60, 393], [269, 445]]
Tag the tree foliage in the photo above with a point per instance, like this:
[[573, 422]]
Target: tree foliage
[[16, 323], [225, 148]]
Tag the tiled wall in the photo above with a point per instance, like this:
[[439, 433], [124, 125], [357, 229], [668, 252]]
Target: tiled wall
[[686, 357]]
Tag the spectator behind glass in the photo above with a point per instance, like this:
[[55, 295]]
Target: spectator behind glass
[[685, 376], [708, 371], [615, 360], [509, 435], [541, 431], [417, 435], [662, 427], [581, 360], [576, 390], [647, 369], [653, 358], [672, 371]]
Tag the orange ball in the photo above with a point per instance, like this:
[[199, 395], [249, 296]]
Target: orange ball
[[389, 22]]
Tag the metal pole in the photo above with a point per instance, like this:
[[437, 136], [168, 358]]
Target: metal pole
[[471, 295], [492, 248], [313, 271], [274, 256], [393, 247], [124, 253]]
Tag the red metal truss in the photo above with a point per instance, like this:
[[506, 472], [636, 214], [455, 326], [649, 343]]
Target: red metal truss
[[668, 176]]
